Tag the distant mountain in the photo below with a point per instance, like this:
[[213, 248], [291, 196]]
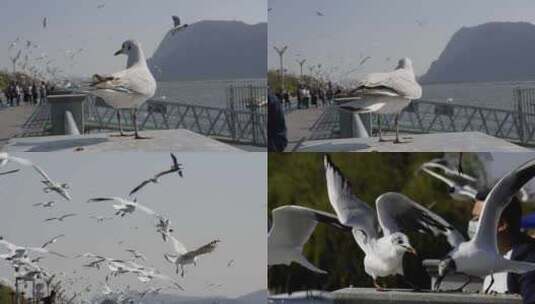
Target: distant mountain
[[496, 51], [212, 50]]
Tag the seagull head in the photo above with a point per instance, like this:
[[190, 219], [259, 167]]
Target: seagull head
[[128, 47], [445, 266], [400, 242], [404, 63]]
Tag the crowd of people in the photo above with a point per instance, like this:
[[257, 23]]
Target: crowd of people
[[308, 96], [31, 93]]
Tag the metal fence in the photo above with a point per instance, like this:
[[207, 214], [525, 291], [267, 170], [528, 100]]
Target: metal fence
[[425, 116], [243, 122]]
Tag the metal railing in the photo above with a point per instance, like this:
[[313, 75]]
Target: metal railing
[[247, 127], [237, 126], [425, 116]]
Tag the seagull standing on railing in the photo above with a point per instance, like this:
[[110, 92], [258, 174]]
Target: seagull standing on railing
[[127, 89], [385, 93]]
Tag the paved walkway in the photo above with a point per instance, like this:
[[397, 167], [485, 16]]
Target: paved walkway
[[11, 119], [300, 125]]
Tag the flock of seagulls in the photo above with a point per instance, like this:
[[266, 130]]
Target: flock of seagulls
[[381, 233], [26, 260]]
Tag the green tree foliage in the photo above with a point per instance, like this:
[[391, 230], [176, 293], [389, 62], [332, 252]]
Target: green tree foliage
[[5, 294], [298, 179]]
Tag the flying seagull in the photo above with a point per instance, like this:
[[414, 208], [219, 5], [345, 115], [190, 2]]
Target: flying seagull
[[177, 25], [164, 227], [100, 219], [175, 167], [127, 89], [61, 218], [52, 186], [479, 256], [184, 257], [457, 191], [48, 204], [123, 206], [395, 213], [53, 240], [291, 229], [385, 93], [45, 22], [136, 254]]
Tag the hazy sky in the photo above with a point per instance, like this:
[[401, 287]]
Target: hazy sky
[[222, 196], [74, 24], [354, 29]]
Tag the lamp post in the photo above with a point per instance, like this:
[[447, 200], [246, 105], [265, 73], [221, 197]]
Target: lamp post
[[281, 52], [301, 63]]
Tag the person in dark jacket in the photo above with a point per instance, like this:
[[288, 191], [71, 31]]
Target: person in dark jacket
[[277, 140], [513, 244]]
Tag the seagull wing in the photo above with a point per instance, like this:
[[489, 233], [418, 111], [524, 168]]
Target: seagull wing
[[53, 240], [10, 172], [145, 209], [400, 82], [138, 187], [41, 172], [293, 225], [67, 215], [129, 81], [106, 199], [179, 247], [436, 175], [450, 171], [498, 198], [175, 161], [20, 161], [351, 211], [398, 213], [205, 249]]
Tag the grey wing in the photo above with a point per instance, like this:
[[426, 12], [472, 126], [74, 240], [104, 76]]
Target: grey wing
[[136, 189], [398, 213], [41, 172], [351, 211], [293, 225], [10, 172], [498, 198], [206, 249], [400, 81], [176, 21]]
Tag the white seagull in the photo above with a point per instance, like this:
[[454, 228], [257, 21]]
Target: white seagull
[[101, 219], [136, 254], [439, 164], [18, 252], [457, 191], [479, 256], [177, 25], [53, 186], [164, 227], [291, 229], [395, 213], [185, 257], [385, 93], [127, 89], [53, 240], [60, 218], [123, 206]]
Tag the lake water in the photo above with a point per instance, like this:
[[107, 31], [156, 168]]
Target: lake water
[[498, 95], [206, 92]]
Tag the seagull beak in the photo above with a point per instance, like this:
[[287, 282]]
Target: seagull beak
[[411, 250], [119, 52]]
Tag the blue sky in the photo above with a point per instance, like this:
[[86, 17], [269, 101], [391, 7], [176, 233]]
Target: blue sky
[[74, 24], [353, 29], [222, 196]]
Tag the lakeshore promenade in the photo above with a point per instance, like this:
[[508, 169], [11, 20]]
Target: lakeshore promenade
[[11, 121]]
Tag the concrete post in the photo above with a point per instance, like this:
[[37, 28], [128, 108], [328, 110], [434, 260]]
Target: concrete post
[[59, 104], [351, 125]]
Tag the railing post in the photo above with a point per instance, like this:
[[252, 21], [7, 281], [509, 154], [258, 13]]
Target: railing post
[[252, 106], [232, 113], [520, 114]]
